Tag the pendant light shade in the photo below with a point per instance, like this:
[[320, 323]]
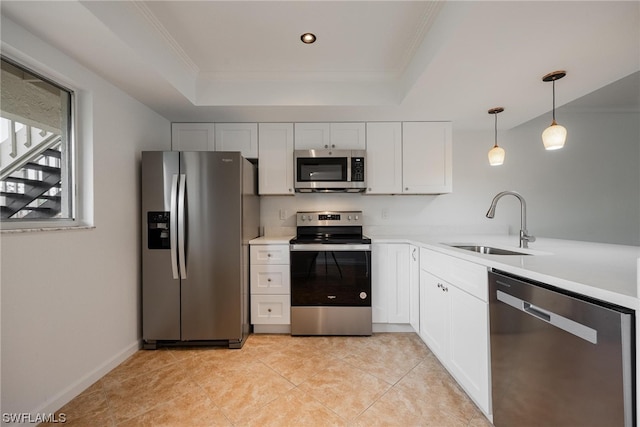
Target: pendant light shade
[[555, 135], [496, 154]]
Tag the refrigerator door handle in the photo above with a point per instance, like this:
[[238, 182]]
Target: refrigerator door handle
[[173, 227], [182, 227]]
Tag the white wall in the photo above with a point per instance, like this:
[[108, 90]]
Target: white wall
[[70, 299], [589, 190]]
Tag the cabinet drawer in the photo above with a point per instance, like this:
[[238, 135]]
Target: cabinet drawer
[[270, 254], [270, 279], [270, 309], [469, 277]]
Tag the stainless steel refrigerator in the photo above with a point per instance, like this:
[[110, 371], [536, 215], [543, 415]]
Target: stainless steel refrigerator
[[199, 211]]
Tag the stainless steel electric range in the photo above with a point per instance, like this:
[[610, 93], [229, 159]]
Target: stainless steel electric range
[[330, 275]]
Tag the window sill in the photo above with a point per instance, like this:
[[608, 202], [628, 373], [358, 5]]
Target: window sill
[[52, 228]]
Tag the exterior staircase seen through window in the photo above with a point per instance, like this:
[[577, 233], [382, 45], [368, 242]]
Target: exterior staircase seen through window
[[30, 181]]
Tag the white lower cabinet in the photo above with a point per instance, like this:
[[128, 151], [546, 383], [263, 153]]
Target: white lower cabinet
[[390, 283], [270, 288], [414, 287], [454, 323], [270, 309], [434, 314]]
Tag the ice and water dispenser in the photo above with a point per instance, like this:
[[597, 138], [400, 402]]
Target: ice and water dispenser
[[158, 230]]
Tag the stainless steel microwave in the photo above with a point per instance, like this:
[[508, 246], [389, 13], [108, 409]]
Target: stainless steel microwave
[[329, 171]]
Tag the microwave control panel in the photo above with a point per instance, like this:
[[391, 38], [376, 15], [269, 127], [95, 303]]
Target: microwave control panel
[[357, 169]]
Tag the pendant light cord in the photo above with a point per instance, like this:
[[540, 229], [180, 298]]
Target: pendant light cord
[[495, 133], [553, 114]]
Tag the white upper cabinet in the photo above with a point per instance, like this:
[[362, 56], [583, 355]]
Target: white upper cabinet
[[348, 136], [426, 157], [312, 136], [275, 174], [192, 137], [384, 158], [241, 137], [322, 136]]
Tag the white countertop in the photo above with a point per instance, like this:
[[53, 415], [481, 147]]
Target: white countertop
[[271, 240], [603, 271]]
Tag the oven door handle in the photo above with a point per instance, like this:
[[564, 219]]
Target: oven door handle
[[327, 247]]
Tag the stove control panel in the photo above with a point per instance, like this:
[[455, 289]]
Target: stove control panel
[[332, 218]]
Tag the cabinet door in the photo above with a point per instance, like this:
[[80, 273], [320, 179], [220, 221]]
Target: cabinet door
[[384, 158], [469, 345], [348, 136], [398, 283], [269, 254], [434, 314], [270, 279], [192, 137], [426, 157], [312, 136], [379, 283], [241, 137], [414, 287], [270, 309], [275, 154]]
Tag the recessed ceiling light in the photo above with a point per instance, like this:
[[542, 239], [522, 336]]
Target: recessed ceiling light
[[308, 38]]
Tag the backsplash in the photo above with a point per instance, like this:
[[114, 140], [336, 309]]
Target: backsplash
[[382, 215]]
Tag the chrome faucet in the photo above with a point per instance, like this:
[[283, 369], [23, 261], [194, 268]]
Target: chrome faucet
[[525, 238]]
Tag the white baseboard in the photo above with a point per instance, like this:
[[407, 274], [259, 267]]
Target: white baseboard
[[392, 327], [66, 395], [377, 327], [271, 329]]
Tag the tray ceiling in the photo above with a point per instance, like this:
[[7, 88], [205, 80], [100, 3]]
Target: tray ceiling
[[396, 60]]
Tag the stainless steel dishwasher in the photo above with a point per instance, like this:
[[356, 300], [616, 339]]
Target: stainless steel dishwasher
[[557, 358]]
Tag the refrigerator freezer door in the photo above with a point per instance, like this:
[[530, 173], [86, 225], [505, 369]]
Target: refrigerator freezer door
[[211, 294], [160, 291]]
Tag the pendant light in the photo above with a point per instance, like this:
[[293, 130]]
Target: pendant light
[[555, 135], [496, 154]]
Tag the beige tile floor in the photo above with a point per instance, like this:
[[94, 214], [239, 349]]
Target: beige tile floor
[[388, 379]]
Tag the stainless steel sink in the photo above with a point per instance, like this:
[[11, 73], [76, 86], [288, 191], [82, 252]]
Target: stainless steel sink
[[487, 250]]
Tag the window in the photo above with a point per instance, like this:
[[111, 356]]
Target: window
[[36, 148]]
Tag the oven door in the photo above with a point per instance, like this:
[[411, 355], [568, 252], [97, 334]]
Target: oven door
[[331, 275]]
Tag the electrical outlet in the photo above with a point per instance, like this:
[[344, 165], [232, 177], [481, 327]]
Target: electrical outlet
[[385, 213], [283, 214]]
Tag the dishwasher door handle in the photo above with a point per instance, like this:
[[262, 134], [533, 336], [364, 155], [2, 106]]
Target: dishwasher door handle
[[535, 311], [561, 322]]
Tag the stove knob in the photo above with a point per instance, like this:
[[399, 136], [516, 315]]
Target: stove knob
[[357, 217], [349, 217], [363, 295]]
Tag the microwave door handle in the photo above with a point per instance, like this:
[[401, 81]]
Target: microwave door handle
[[182, 228], [173, 228]]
